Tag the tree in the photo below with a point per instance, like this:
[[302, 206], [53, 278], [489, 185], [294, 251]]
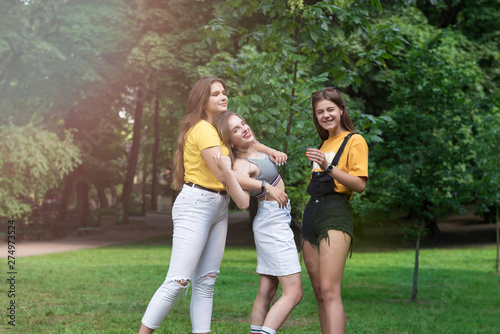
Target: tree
[[163, 64], [34, 154], [66, 73], [487, 167], [422, 164]]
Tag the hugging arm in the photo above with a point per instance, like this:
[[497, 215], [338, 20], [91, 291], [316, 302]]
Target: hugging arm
[[276, 156], [252, 184], [239, 183], [239, 196], [209, 154]]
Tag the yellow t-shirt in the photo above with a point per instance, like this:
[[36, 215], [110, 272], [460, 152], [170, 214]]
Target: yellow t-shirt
[[201, 136], [354, 158]]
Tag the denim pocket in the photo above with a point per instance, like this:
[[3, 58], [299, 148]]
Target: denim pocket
[[205, 198], [190, 197]]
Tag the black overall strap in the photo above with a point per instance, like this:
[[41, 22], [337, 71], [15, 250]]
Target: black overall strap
[[341, 149]]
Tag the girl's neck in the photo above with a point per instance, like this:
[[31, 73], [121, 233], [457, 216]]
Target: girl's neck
[[247, 151], [338, 130]]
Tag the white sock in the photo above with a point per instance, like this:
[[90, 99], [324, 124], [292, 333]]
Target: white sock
[[267, 330], [255, 329]]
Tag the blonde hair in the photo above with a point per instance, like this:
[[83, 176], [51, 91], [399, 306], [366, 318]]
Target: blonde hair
[[198, 98], [332, 95]]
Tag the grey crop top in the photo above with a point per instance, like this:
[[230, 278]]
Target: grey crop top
[[268, 171]]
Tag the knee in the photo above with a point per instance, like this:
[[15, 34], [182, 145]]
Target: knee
[[317, 292], [329, 293], [271, 293], [205, 284], [266, 296], [298, 296], [295, 296], [172, 288]]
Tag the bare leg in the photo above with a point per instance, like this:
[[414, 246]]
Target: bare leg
[[267, 290], [145, 330], [332, 264], [291, 286], [326, 269], [311, 260]]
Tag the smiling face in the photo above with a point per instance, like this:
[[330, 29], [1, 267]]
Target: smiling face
[[329, 116], [240, 134], [217, 102]]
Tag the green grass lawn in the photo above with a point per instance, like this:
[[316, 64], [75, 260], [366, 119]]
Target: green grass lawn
[[106, 290]]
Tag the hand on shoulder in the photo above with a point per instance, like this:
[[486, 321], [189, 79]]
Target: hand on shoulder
[[278, 157]]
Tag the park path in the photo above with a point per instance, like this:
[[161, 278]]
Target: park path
[[458, 231], [95, 239]]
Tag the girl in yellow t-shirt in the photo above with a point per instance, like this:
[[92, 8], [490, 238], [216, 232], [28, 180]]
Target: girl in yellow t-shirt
[[200, 210], [327, 230]]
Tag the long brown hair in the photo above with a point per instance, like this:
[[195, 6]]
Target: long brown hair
[[333, 95], [198, 98]]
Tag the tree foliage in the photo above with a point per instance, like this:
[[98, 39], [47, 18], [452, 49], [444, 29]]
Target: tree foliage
[[293, 49], [33, 161], [428, 147], [410, 72]]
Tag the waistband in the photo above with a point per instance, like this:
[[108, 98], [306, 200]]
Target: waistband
[[273, 205], [262, 194], [194, 185]]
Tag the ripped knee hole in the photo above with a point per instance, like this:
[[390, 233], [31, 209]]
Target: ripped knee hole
[[212, 275], [182, 282]]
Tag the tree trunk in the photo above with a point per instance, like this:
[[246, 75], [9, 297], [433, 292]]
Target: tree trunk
[[292, 100], [156, 149], [66, 194], [415, 271], [132, 160], [498, 240], [430, 223], [128, 184], [82, 195], [101, 194], [114, 195], [63, 207], [144, 186], [432, 227], [290, 119], [448, 15]]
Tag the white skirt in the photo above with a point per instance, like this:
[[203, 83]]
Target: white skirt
[[276, 251]]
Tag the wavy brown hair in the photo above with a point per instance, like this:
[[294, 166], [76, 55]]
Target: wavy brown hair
[[198, 98], [333, 95]]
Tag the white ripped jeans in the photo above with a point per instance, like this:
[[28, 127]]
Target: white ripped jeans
[[200, 228]]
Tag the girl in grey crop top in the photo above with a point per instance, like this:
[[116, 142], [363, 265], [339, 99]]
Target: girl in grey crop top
[[268, 171], [274, 239]]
